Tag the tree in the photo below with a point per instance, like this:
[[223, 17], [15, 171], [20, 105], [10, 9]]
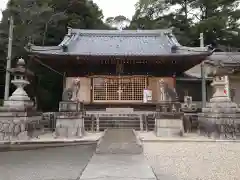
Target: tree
[[119, 21], [25, 13], [36, 19], [217, 19]]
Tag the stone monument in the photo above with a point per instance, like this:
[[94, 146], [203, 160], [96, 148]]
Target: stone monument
[[221, 117], [168, 120], [18, 116], [70, 120]]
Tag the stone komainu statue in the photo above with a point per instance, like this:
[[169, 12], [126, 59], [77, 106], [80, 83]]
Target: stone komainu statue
[[67, 94], [71, 94], [166, 93]]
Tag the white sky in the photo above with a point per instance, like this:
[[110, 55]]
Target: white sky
[[117, 7], [109, 7]]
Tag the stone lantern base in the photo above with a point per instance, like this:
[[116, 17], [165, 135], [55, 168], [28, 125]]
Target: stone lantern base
[[16, 124], [220, 120], [19, 105]]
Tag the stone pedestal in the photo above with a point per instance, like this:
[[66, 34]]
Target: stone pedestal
[[221, 117], [70, 120], [169, 124], [70, 106]]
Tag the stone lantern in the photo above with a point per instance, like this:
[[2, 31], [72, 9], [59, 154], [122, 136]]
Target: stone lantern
[[221, 117], [20, 99], [18, 117]]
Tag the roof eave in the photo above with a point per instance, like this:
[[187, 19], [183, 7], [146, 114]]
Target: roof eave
[[204, 54]]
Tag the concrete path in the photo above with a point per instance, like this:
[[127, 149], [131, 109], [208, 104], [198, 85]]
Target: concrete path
[[119, 156], [116, 167], [119, 141]]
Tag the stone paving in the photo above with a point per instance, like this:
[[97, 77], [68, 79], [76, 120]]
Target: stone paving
[[194, 160]]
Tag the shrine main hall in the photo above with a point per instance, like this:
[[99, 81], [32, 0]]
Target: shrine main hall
[[115, 67]]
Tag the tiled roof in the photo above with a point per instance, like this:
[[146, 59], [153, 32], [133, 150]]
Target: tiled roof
[[225, 57], [118, 43]]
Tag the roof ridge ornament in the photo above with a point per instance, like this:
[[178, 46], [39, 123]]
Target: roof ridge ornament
[[69, 31]]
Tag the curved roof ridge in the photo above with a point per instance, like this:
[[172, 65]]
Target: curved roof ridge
[[196, 49], [226, 53], [122, 32], [45, 48]]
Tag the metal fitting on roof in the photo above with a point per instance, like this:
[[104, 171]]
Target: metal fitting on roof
[[69, 31]]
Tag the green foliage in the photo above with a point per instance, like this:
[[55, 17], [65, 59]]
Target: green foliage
[[45, 22], [119, 21], [217, 19]]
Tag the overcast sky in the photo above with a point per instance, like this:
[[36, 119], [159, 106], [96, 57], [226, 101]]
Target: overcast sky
[[109, 7]]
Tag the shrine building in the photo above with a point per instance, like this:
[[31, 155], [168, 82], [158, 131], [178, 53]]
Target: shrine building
[[115, 67]]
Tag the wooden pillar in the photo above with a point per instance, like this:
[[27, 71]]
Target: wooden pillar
[[174, 81], [64, 80], [119, 67], [204, 99]]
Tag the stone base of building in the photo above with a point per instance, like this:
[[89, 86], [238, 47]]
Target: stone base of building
[[69, 125], [169, 125], [20, 125]]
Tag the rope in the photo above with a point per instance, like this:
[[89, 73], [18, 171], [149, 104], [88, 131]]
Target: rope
[[43, 64]]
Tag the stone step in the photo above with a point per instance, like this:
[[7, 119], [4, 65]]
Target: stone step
[[119, 141]]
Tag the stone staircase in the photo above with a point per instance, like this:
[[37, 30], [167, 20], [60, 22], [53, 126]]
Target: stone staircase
[[119, 118], [112, 122], [119, 141]]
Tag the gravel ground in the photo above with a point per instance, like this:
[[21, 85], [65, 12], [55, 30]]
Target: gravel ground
[[194, 161], [62, 163]]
